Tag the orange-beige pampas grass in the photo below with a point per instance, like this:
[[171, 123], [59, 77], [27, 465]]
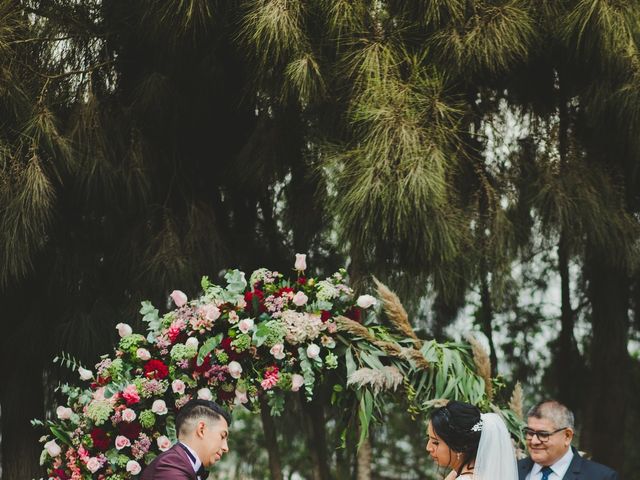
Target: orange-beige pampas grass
[[396, 313], [483, 364]]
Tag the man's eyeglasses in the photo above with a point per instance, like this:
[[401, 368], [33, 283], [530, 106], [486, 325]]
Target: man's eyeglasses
[[541, 434]]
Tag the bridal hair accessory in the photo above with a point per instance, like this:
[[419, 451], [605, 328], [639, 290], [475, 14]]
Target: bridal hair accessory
[[477, 427]]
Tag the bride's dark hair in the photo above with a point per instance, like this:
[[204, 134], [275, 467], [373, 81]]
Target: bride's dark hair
[[458, 425]]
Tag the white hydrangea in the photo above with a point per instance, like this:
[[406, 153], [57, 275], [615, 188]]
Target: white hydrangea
[[301, 327], [326, 291]]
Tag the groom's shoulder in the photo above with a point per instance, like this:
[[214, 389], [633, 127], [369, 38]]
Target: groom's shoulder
[[598, 471]]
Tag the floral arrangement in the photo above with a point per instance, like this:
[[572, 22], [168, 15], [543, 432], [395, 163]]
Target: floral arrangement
[[261, 337]]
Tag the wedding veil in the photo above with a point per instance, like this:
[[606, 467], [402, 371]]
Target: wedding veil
[[496, 458]]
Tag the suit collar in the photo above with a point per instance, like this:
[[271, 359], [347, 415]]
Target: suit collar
[[573, 472]]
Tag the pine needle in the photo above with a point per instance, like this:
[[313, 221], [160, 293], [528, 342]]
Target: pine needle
[[396, 313], [483, 363]]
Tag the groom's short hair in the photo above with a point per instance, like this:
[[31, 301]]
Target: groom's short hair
[[555, 411], [195, 410]]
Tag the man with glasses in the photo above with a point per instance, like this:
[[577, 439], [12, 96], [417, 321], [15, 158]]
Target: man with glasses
[[548, 433]]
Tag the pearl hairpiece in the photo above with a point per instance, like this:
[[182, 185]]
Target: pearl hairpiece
[[477, 427]]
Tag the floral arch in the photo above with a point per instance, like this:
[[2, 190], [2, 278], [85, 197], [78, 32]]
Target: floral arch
[[252, 339]]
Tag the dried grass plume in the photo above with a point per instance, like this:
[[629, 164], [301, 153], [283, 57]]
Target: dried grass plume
[[483, 363], [517, 401], [396, 313]]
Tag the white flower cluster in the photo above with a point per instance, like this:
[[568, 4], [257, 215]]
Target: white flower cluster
[[301, 327], [326, 291]]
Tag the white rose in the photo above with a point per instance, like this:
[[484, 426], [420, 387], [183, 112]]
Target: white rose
[[124, 330], [366, 301], [52, 448], [128, 415], [159, 407], [122, 442], [93, 464], [192, 342], [85, 374], [235, 369], [205, 394], [164, 443], [64, 413], [313, 351], [246, 325], [277, 351], [296, 382], [133, 467], [300, 299], [178, 386], [143, 354], [178, 297], [301, 262]]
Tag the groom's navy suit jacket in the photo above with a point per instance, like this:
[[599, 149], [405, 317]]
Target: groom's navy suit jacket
[[579, 469], [174, 464]]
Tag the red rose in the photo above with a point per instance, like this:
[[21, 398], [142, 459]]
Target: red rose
[[224, 397], [206, 364], [156, 369], [302, 280], [130, 430], [325, 315], [284, 290], [256, 296], [59, 474], [100, 439]]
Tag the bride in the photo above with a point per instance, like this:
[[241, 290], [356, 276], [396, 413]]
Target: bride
[[475, 446]]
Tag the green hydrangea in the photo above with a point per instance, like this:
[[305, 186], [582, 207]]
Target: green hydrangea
[[228, 387], [99, 411], [275, 332], [115, 477], [122, 460], [147, 419], [242, 342], [131, 342], [222, 357], [331, 361], [284, 381], [180, 351], [116, 368]]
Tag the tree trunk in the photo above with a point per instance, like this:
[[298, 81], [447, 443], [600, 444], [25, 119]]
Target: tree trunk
[[271, 440], [609, 295], [364, 461], [317, 439], [486, 314]]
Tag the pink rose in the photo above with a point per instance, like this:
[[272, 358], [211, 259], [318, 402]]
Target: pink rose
[[124, 330], [159, 407], [331, 327], [277, 351], [235, 369], [64, 413], [241, 397], [210, 311], [296, 382], [52, 448], [93, 464], [299, 299], [245, 325], [301, 262], [130, 394], [178, 386], [143, 354], [313, 351], [178, 297], [128, 415], [164, 443], [205, 394], [366, 301], [133, 467], [233, 316], [122, 441]]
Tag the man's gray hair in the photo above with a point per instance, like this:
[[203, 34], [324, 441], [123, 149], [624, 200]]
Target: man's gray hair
[[554, 411]]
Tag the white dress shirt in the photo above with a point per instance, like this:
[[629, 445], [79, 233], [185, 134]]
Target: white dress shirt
[[198, 463], [559, 468]]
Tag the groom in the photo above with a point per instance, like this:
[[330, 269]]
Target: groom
[[548, 433], [203, 428]]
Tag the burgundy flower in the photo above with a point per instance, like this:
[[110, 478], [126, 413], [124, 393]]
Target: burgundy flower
[[256, 296], [353, 314], [302, 280], [325, 315], [100, 439], [206, 364], [283, 291], [130, 430], [156, 369], [59, 474]]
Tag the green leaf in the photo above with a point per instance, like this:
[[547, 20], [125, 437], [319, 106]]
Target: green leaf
[[207, 347], [60, 434], [364, 414], [350, 362], [171, 428], [236, 283]]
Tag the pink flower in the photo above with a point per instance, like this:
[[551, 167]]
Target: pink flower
[[64, 413], [301, 262], [241, 397], [205, 394], [124, 330], [241, 303], [159, 407], [313, 351], [93, 464], [269, 382], [296, 382], [366, 301], [128, 415], [178, 386], [122, 441], [178, 297], [52, 448], [133, 467], [164, 443], [130, 394], [143, 354], [209, 311], [245, 325], [235, 369], [299, 299], [233, 316], [277, 351], [331, 327]]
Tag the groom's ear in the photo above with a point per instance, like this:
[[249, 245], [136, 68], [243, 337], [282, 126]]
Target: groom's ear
[[200, 428], [569, 434]]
